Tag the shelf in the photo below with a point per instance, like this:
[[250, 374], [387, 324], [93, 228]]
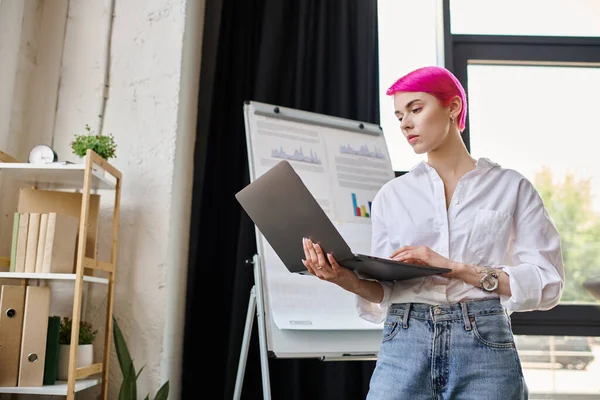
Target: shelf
[[66, 189], [59, 389], [57, 176], [60, 277]]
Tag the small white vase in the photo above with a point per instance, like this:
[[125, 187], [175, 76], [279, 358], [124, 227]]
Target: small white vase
[[85, 357]]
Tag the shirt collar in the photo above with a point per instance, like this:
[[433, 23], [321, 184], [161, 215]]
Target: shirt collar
[[486, 163], [482, 164]]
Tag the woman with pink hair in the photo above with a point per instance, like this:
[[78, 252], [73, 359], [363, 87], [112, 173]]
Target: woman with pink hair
[[449, 337]]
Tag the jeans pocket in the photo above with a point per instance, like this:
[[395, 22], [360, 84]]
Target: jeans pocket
[[391, 326], [493, 330]]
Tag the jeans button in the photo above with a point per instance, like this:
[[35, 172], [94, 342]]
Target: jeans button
[[437, 311]]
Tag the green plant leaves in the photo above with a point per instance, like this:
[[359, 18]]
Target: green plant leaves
[[139, 372], [163, 392], [121, 347], [129, 386], [87, 334], [103, 145], [128, 389]]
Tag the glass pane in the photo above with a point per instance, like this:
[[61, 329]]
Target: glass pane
[[518, 17], [543, 122], [562, 367], [398, 56]]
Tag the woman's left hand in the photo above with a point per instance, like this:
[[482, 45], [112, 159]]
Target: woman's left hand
[[423, 255]]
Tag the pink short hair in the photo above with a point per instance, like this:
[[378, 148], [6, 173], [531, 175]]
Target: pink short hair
[[438, 82]]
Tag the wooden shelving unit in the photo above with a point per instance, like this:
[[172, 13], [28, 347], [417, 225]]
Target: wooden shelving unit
[[95, 174]]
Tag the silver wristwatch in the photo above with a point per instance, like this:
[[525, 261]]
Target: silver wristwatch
[[489, 282]]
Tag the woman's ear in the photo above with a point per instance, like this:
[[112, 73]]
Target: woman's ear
[[456, 106]]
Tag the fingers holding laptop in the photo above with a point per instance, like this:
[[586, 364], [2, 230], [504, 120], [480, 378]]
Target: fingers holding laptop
[[325, 266], [316, 261], [422, 255]]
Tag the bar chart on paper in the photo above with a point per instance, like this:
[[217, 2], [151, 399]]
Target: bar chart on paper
[[360, 210], [359, 166], [296, 155], [362, 151]]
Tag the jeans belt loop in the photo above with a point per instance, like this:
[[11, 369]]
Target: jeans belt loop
[[405, 316], [465, 314]]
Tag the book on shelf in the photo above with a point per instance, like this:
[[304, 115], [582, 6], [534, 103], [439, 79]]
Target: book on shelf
[[44, 243], [64, 203], [41, 244], [61, 244], [52, 345], [21, 246], [15, 240], [33, 232]]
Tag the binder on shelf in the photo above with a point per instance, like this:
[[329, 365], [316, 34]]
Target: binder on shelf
[[15, 241], [32, 242], [12, 306], [60, 248], [34, 337], [51, 362], [41, 244], [22, 242]]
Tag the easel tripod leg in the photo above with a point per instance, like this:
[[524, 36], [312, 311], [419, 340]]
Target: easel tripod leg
[[245, 345], [264, 357], [262, 328]]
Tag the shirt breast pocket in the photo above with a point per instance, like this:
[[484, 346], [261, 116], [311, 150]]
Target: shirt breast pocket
[[489, 235]]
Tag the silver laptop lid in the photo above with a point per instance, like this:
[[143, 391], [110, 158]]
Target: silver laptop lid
[[284, 211]]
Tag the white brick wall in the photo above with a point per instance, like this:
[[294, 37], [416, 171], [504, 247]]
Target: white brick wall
[[53, 72]]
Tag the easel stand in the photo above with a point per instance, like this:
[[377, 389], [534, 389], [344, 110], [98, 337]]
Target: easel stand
[[255, 304]]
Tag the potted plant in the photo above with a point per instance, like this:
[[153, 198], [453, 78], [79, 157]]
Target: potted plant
[[128, 390], [85, 353], [103, 145]]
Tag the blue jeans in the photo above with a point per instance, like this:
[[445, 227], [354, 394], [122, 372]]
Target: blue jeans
[[460, 351]]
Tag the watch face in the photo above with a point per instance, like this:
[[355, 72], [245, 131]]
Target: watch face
[[42, 154], [489, 283]]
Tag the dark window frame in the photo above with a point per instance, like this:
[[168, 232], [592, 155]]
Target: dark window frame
[[569, 320]]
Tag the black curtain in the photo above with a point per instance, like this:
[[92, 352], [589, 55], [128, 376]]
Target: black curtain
[[319, 56]]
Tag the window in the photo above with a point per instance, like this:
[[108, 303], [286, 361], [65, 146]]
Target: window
[[560, 367], [532, 107], [529, 17], [549, 80], [526, 118]]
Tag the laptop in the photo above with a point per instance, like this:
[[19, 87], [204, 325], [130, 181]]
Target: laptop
[[284, 211]]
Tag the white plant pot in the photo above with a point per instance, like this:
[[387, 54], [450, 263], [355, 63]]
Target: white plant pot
[[85, 357]]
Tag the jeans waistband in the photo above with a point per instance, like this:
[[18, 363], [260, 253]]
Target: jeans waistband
[[460, 310]]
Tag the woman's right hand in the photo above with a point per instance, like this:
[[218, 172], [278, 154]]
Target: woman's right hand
[[325, 267]]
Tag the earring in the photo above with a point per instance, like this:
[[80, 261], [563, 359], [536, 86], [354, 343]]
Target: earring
[[452, 118]]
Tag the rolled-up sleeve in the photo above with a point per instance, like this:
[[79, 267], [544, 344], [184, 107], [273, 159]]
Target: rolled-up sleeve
[[380, 247], [537, 275]]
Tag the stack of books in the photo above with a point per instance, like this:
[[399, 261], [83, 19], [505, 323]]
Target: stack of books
[[44, 243]]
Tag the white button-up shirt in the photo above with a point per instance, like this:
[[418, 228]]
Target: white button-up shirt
[[495, 219]]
